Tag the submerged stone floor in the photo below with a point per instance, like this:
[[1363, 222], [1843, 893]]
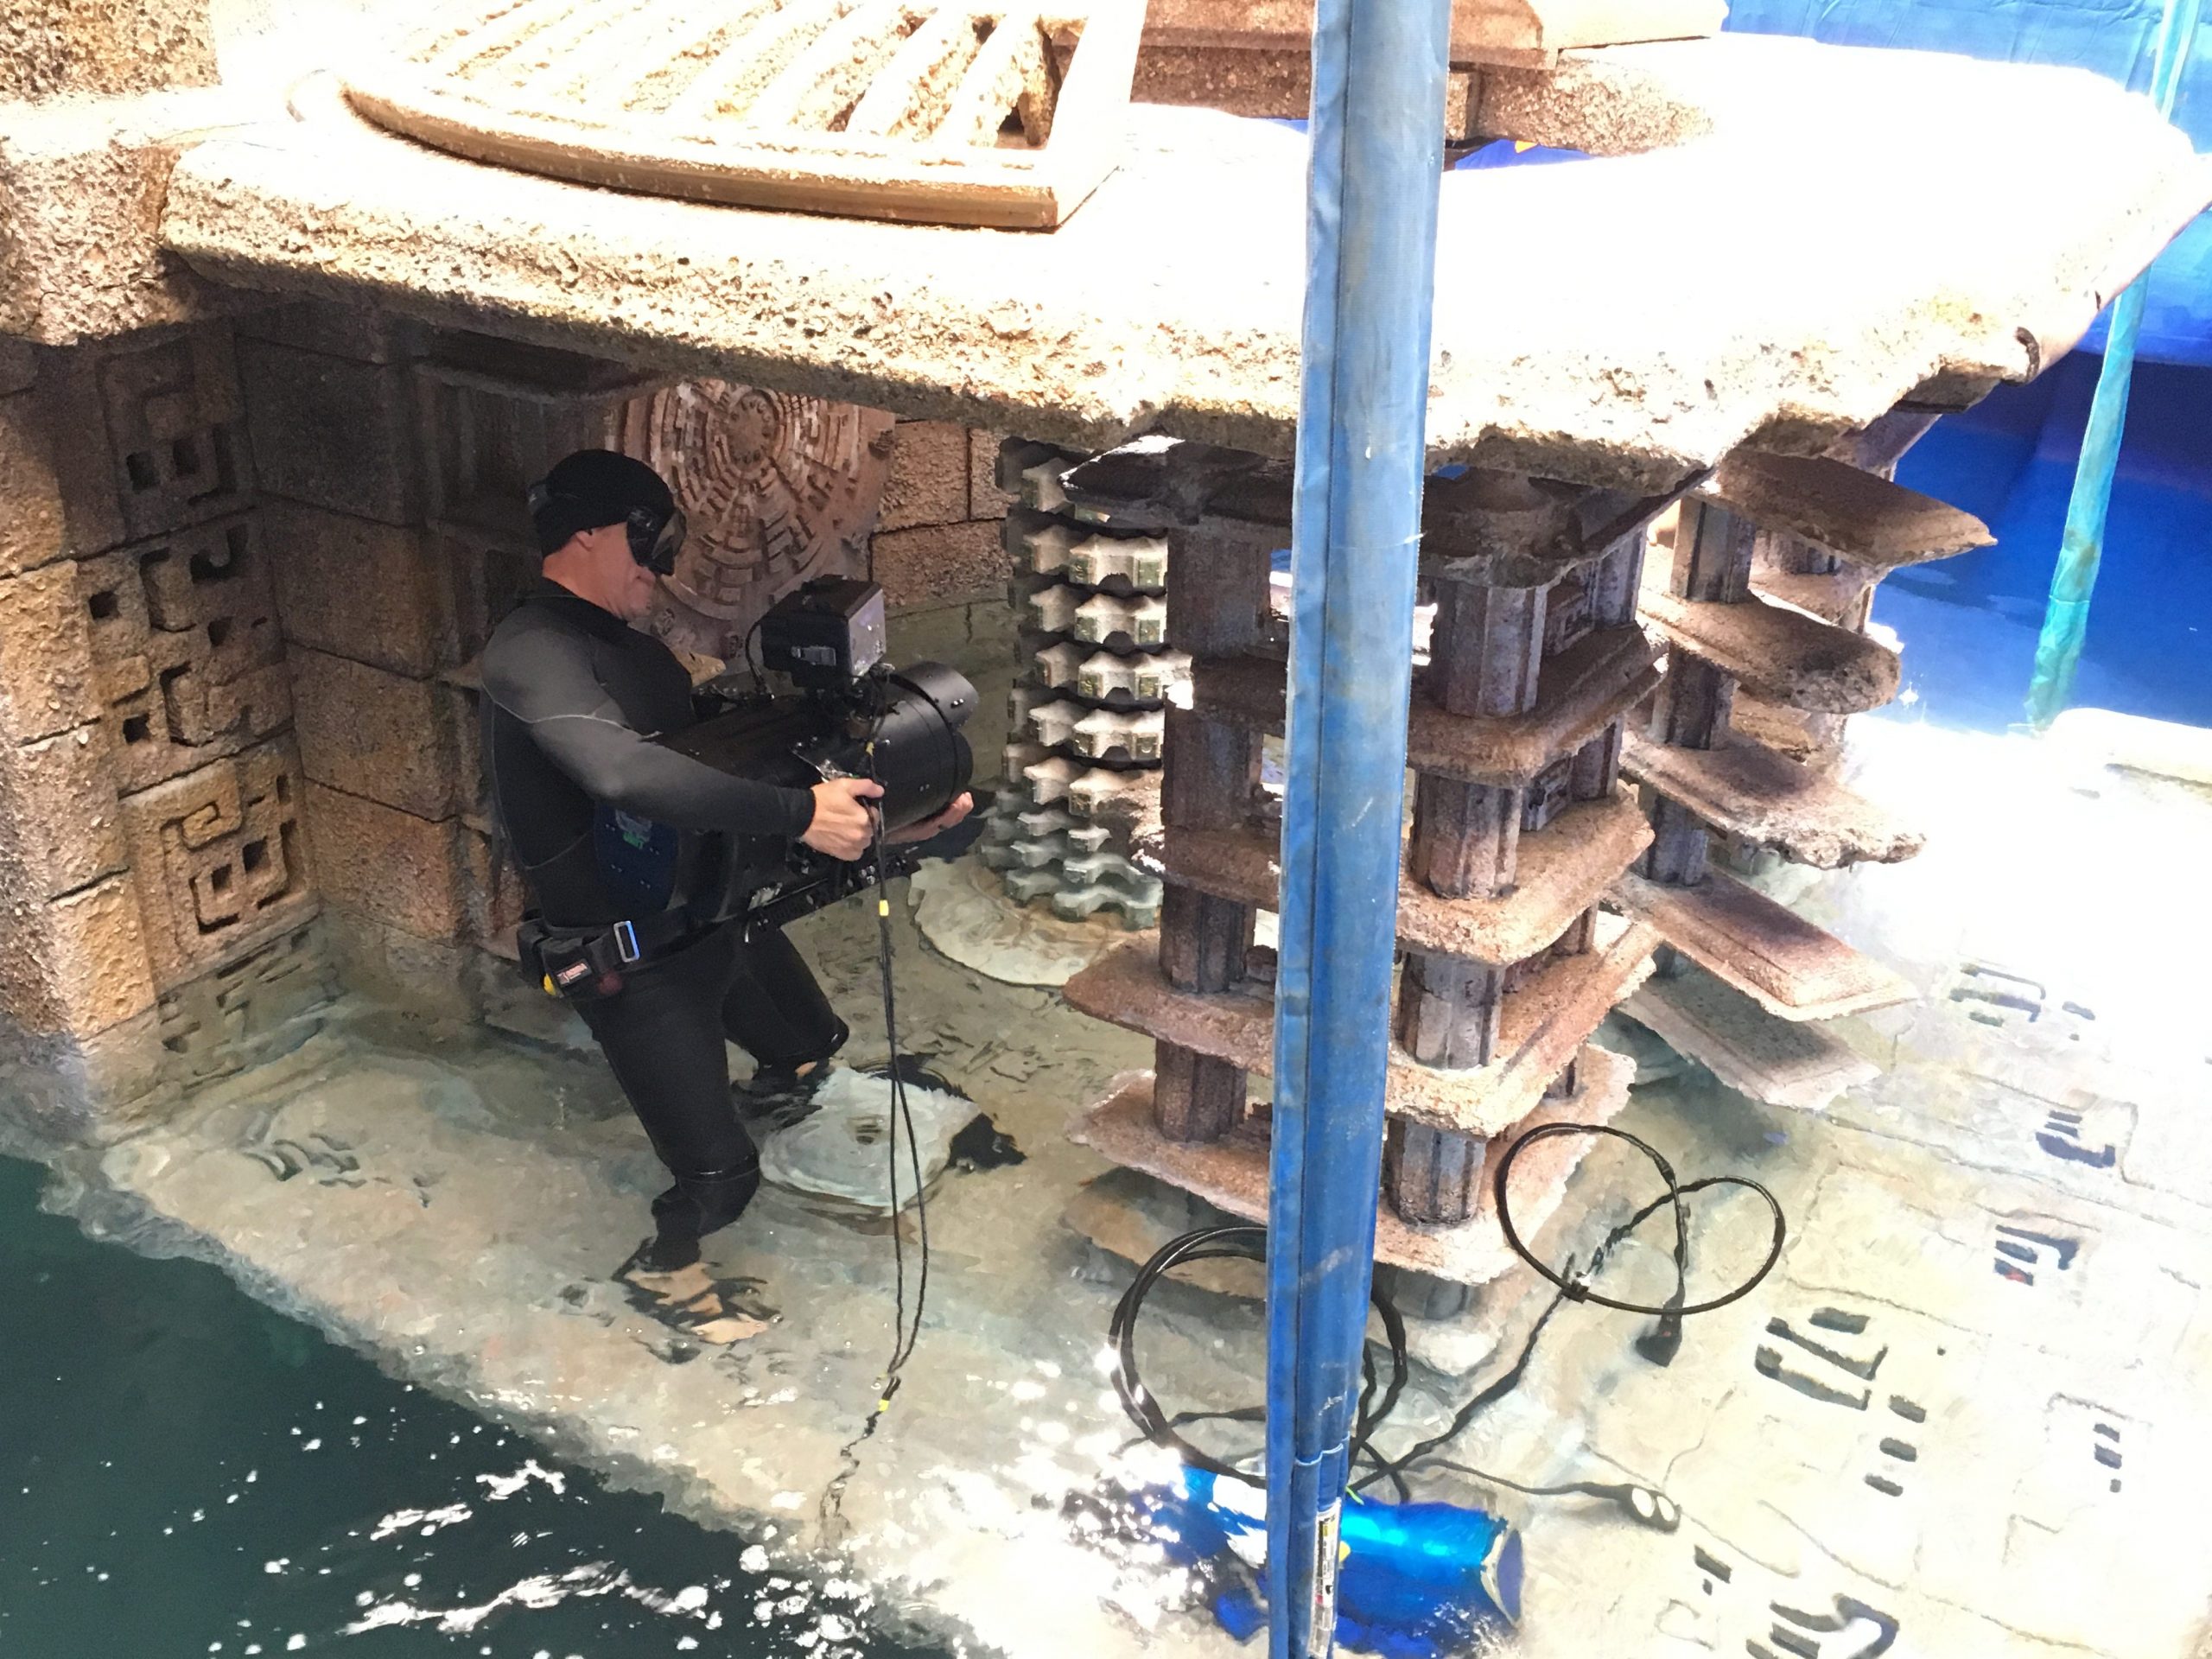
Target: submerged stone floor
[[1966, 1417]]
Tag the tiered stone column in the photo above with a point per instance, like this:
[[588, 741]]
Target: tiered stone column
[[1518, 830], [1774, 562]]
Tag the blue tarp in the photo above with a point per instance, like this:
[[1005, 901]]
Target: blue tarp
[[2114, 38]]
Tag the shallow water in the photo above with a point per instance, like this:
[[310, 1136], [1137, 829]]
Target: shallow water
[[184, 1472]]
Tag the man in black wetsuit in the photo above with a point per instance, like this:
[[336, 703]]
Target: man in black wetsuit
[[600, 821]]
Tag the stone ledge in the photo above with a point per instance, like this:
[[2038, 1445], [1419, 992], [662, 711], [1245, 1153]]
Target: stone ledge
[[1778, 1061], [1542, 1023], [1858, 516], [1783, 656], [1559, 871], [1578, 692], [82, 184], [1232, 1173], [1936, 253], [1753, 793], [1791, 968]]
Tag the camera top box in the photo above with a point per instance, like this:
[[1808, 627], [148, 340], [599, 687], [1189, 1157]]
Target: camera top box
[[825, 634]]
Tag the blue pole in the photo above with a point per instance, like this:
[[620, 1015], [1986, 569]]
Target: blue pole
[[1377, 155], [2066, 619]]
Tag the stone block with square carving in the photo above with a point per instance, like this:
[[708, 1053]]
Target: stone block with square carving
[[176, 427], [247, 1011], [218, 861], [185, 645]]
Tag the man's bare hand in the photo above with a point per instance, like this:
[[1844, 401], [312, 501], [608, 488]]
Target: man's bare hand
[[928, 827], [843, 826]]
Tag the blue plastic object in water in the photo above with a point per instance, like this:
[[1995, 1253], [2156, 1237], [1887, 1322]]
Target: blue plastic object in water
[[1415, 1580], [1376, 161]]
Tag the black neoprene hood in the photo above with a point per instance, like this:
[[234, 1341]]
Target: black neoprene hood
[[592, 488]]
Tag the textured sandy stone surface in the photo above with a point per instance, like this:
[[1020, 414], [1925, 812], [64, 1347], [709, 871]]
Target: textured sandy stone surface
[[929, 476], [78, 963], [390, 866], [46, 663], [1937, 254], [332, 433], [31, 513], [1866, 518], [58, 799], [379, 594], [939, 563], [82, 182], [379, 735], [1773, 801], [104, 45]]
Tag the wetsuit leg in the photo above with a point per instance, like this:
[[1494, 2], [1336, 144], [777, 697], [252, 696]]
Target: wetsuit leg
[[662, 1035], [774, 1008]]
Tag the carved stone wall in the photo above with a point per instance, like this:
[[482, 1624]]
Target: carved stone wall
[[395, 460], [245, 573], [150, 794]]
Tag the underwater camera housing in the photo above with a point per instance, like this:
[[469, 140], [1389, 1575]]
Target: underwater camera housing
[[852, 715]]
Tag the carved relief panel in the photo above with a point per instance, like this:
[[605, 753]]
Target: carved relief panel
[[177, 425], [186, 648], [218, 859]]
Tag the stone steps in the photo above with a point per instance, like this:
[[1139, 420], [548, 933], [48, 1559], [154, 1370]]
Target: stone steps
[[1578, 692], [1860, 517], [1781, 655], [1559, 871]]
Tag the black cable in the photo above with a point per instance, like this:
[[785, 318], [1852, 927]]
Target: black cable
[[1248, 1242], [1577, 1290], [904, 1338]]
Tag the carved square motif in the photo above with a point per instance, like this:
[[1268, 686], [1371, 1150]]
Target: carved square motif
[[177, 425], [186, 647], [218, 861]]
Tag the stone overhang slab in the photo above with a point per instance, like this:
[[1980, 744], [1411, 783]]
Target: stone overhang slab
[[1836, 228]]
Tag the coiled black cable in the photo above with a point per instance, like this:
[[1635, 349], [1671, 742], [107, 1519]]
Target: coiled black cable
[[1249, 1242]]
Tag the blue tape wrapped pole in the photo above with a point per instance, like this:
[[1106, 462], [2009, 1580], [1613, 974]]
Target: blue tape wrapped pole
[[2066, 619], [1377, 135]]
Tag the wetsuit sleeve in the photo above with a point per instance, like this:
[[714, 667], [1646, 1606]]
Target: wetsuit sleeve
[[548, 684]]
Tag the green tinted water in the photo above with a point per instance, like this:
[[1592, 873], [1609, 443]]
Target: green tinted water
[[183, 1472]]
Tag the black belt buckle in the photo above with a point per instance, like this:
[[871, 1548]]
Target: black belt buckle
[[626, 943]]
